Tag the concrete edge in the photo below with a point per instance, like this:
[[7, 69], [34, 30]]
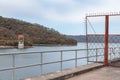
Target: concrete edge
[[67, 76], [68, 73]]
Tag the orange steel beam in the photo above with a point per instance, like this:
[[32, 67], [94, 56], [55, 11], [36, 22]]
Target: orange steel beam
[[100, 15], [106, 40], [106, 31], [86, 38], [86, 31], [103, 34]]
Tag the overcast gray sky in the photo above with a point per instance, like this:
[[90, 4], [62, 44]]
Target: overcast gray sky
[[65, 16]]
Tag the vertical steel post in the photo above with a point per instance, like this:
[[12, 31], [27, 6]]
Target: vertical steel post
[[61, 63], [13, 67], [96, 55], [106, 40], [86, 39], [41, 67], [76, 58]]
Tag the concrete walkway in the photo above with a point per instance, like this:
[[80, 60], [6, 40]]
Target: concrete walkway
[[105, 73], [65, 74]]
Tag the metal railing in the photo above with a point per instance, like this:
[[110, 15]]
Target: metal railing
[[98, 54], [61, 59], [114, 55]]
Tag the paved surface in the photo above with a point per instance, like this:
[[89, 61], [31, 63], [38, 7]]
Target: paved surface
[[116, 63], [105, 73], [65, 74]]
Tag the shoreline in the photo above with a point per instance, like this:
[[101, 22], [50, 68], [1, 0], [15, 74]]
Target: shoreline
[[7, 47], [12, 47], [54, 44]]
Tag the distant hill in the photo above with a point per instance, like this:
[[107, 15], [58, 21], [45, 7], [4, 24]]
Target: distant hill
[[95, 38], [34, 33], [79, 38]]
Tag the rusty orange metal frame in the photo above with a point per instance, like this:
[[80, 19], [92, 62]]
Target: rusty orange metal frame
[[106, 32]]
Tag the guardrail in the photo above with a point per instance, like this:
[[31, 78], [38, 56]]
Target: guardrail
[[98, 54], [47, 58], [114, 57]]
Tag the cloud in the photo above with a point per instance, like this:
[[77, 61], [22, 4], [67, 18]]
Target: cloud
[[70, 11], [59, 1], [76, 12], [63, 10], [16, 6]]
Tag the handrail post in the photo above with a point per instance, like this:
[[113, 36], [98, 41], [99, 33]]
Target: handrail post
[[110, 54], [119, 52], [13, 67], [96, 55], [41, 63], [75, 58], [61, 58]]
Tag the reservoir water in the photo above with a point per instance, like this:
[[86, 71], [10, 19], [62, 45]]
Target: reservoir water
[[43, 48], [28, 59], [21, 60]]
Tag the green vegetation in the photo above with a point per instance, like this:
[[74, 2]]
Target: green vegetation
[[34, 33]]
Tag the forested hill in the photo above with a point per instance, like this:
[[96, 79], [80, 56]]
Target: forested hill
[[34, 33]]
